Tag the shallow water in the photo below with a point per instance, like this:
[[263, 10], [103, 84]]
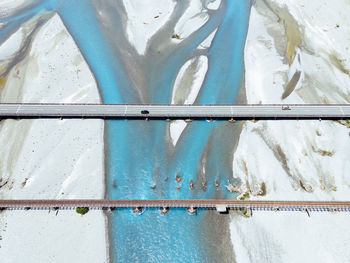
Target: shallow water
[[140, 153]]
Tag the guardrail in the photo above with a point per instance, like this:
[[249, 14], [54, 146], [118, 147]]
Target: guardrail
[[195, 203], [249, 111]]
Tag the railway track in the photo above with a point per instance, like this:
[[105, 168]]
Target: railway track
[[220, 205]]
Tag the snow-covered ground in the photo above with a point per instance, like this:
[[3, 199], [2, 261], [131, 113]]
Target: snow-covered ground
[[8, 7], [145, 19], [195, 16], [291, 237], [49, 158], [296, 52]]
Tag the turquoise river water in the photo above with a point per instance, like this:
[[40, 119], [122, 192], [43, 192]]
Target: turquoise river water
[[140, 153]]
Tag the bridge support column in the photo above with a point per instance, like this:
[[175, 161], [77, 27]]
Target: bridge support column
[[221, 209]]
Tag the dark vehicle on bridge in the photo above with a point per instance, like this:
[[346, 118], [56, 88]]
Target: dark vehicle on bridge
[[144, 112], [286, 107]]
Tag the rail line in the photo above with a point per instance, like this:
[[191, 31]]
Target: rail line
[[249, 111], [220, 205]]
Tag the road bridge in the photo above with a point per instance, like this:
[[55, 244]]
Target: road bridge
[[249, 111], [195, 203]]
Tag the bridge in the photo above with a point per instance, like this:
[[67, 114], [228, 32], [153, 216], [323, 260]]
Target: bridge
[[220, 205], [271, 111], [249, 111]]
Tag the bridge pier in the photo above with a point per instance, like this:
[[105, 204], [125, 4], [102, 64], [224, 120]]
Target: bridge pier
[[221, 209], [137, 210], [164, 210], [191, 210]]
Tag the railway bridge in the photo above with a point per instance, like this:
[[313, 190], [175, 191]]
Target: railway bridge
[[219, 205]]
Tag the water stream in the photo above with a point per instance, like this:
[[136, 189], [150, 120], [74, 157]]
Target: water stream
[[140, 153]]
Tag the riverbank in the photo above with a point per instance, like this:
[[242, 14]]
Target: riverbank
[[50, 159], [296, 52]]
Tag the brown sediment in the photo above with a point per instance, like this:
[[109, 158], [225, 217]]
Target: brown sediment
[[15, 141], [277, 151], [164, 210], [2, 70], [24, 182], [136, 210], [262, 191], [3, 183], [322, 152], [114, 184], [291, 84], [292, 32], [338, 63], [24, 51], [305, 187], [312, 85], [204, 186], [3, 81], [217, 184], [213, 233], [273, 26], [325, 153], [232, 188], [191, 210], [191, 185], [244, 167], [229, 188], [178, 178]]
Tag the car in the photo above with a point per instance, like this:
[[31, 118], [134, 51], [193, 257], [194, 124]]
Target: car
[[144, 112], [286, 107]]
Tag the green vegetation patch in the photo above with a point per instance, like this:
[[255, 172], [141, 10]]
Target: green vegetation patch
[[245, 196], [82, 210], [345, 123], [326, 153]]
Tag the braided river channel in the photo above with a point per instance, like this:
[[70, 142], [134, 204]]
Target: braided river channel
[[142, 162]]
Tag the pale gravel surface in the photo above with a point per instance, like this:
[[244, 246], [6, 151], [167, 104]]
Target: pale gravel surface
[[296, 160], [51, 158], [286, 156]]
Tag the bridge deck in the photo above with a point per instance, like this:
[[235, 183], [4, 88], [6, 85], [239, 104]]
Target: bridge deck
[[291, 111], [234, 204]]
